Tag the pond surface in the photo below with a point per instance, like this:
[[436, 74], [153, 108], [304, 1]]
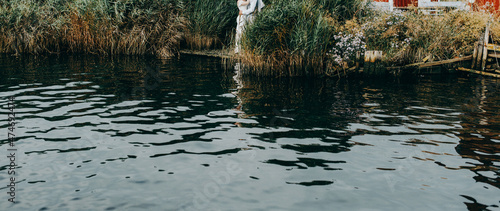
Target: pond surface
[[129, 133]]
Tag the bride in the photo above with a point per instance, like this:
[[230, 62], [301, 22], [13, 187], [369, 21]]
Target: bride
[[246, 15]]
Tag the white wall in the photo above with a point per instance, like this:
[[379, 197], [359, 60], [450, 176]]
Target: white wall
[[427, 3], [383, 6], [389, 6]]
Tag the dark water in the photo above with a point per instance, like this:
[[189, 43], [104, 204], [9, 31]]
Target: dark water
[[183, 134]]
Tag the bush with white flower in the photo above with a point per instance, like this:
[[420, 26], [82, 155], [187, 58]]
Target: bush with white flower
[[348, 42], [346, 46]]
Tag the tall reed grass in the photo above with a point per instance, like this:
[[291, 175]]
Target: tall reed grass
[[133, 27], [341, 10], [409, 37], [212, 23], [345, 10], [288, 38]]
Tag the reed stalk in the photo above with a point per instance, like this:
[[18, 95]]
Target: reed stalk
[[132, 27], [211, 23], [289, 38]]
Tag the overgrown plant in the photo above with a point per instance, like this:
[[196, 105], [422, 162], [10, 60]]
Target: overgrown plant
[[133, 27], [408, 37], [289, 37], [345, 10], [342, 10], [211, 23], [349, 44]]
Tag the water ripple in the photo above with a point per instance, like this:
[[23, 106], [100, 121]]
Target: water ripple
[[100, 132]]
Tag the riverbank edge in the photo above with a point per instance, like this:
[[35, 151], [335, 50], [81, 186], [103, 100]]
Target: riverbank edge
[[451, 66]]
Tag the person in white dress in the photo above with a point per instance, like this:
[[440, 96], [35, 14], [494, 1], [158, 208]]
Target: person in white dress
[[246, 16], [240, 23]]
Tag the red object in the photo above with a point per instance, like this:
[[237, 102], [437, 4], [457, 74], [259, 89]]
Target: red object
[[489, 5], [492, 6], [405, 3]]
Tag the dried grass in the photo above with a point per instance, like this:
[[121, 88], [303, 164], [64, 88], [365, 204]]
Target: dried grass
[[134, 27], [409, 37], [211, 23]]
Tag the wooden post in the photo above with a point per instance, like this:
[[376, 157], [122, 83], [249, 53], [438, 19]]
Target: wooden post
[[474, 55], [479, 53], [378, 56], [371, 60], [368, 65], [368, 55], [479, 72], [485, 49], [358, 57]]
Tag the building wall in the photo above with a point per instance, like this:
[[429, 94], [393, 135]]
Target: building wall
[[387, 5], [405, 3], [460, 4], [490, 5], [444, 3]]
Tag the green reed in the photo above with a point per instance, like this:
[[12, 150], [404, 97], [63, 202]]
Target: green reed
[[211, 23], [134, 27], [289, 37]]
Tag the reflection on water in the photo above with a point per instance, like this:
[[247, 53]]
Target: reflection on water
[[132, 133], [480, 137]]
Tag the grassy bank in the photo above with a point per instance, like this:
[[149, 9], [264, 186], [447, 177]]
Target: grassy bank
[[295, 37], [132, 27], [287, 38], [304, 37], [409, 37]]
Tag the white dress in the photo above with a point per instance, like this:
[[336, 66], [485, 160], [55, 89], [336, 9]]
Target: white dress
[[240, 25], [246, 18]]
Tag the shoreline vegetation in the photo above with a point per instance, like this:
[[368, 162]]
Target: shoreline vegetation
[[91, 26], [287, 38]]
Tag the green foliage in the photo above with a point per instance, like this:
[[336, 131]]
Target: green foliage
[[387, 31], [211, 22], [294, 31], [409, 37], [342, 10], [292, 26], [213, 18], [346, 9], [92, 26]]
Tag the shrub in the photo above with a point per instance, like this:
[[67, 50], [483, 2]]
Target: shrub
[[92, 26], [345, 10], [348, 42], [408, 37], [211, 23], [342, 10], [289, 37]]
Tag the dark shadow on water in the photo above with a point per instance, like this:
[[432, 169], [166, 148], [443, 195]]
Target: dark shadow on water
[[480, 137]]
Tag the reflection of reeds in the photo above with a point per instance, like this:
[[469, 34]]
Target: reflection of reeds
[[105, 27]]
